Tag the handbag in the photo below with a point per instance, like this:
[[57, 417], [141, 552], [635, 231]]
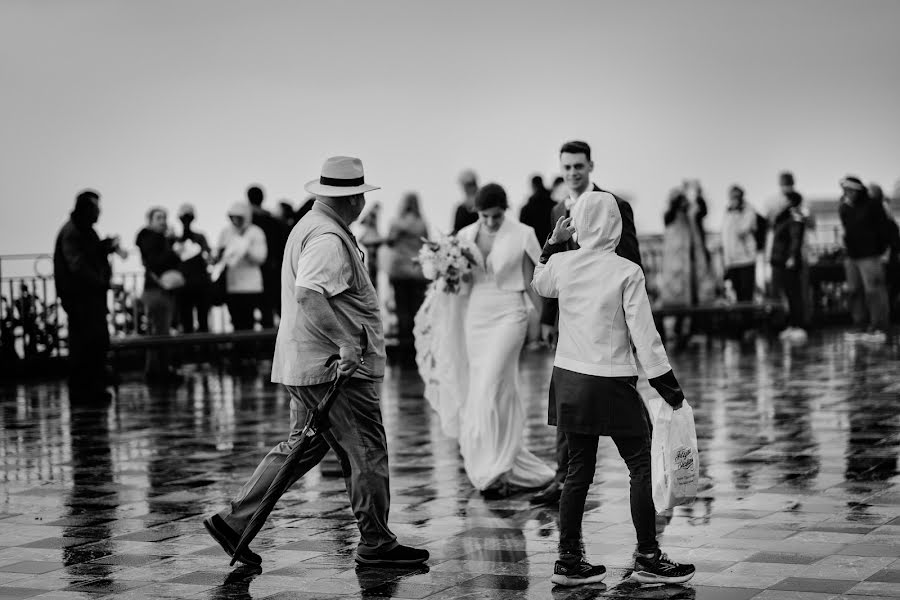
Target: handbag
[[674, 458]]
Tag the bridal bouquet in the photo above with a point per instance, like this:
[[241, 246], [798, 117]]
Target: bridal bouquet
[[446, 262]]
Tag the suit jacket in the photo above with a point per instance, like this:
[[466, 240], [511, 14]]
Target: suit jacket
[[628, 246]]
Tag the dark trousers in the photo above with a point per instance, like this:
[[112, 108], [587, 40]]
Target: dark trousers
[[867, 287], [270, 300], [409, 294], [357, 438], [562, 455], [159, 306], [88, 343], [241, 308], [582, 464], [195, 298], [788, 283], [743, 281]]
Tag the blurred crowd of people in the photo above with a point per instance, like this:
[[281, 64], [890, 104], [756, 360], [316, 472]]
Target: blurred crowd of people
[[764, 255]]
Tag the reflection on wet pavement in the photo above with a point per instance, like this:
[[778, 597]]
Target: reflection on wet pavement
[[799, 451]]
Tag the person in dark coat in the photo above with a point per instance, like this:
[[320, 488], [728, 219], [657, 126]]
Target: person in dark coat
[[82, 275], [606, 333], [538, 209], [868, 233], [465, 213], [576, 165], [276, 238], [786, 259]]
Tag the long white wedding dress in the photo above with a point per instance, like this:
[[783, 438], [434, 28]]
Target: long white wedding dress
[[468, 347]]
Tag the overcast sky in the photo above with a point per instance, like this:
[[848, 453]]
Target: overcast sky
[[166, 102]]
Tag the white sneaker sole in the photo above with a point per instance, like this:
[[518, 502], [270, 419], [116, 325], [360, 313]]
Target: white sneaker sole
[[574, 581], [645, 577]]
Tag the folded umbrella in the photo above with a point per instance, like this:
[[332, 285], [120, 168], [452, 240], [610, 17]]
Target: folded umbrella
[[316, 423]]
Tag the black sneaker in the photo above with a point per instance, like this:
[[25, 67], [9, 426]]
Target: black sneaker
[[660, 569], [228, 539], [396, 557], [580, 574]]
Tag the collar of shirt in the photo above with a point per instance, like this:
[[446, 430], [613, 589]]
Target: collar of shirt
[[570, 200], [331, 214]]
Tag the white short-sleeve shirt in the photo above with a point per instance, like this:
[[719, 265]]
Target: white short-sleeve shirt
[[324, 266]]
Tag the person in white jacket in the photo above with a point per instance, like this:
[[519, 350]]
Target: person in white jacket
[[243, 251], [739, 245], [603, 311]]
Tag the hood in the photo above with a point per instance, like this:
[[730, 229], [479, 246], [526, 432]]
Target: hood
[[597, 221], [242, 209]]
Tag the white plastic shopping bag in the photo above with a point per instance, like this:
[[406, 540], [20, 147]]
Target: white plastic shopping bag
[[674, 459]]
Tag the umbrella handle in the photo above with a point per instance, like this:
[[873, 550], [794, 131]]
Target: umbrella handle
[[325, 404]]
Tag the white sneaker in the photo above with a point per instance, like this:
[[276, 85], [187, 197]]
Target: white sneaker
[[852, 336], [785, 334]]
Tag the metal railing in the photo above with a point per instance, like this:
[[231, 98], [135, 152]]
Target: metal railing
[[33, 323]]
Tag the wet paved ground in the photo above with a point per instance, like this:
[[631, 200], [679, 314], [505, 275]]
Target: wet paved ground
[[799, 447]]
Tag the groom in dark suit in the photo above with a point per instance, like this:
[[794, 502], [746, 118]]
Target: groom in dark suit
[[576, 166]]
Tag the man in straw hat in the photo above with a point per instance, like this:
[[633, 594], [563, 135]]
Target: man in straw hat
[[326, 297]]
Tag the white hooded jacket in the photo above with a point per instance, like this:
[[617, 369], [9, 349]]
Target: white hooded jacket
[[243, 252], [603, 303]]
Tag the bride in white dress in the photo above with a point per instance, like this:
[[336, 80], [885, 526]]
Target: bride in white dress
[[468, 347]]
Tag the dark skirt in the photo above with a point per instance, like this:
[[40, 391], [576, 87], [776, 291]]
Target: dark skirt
[[593, 405]]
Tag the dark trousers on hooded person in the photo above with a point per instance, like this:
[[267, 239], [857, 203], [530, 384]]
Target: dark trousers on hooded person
[[88, 343], [582, 462], [584, 407], [357, 438]]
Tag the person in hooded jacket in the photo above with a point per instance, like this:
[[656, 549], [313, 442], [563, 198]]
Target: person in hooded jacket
[[242, 248], [603, 310]]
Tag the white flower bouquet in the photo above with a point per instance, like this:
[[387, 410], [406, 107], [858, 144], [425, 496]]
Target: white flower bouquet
[[446, 262]]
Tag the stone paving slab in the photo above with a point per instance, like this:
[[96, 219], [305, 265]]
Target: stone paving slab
[[800, 498]]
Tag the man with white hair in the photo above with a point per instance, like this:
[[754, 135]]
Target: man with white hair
[[326, 299]]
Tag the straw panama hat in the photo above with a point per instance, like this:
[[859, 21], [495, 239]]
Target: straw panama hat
[[341, 176]]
